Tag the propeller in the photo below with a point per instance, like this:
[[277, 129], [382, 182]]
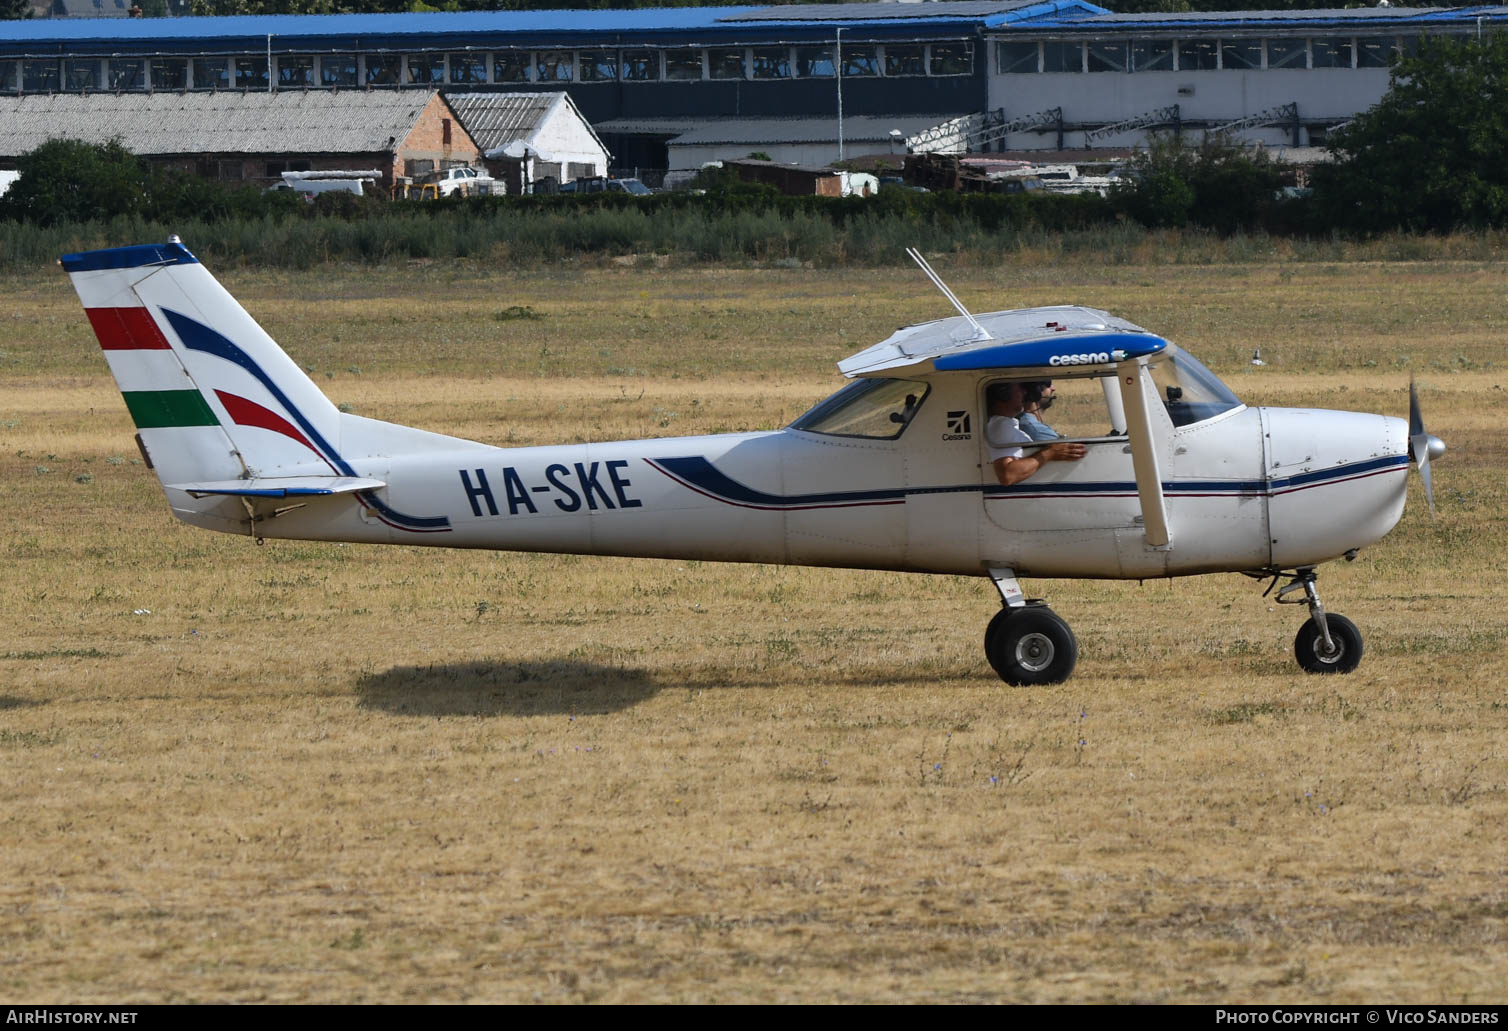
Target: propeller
[[1422, 446]]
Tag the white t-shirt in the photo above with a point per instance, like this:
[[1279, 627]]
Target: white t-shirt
[[1002, 433]]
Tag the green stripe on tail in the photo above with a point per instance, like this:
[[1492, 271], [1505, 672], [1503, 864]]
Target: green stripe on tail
[[152, 409]]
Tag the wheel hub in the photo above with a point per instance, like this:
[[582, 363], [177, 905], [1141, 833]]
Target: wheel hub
[[1331, 654], [1034, 652]]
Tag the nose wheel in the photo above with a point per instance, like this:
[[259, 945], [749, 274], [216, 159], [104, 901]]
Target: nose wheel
[[1026, 642], [1327, 642]]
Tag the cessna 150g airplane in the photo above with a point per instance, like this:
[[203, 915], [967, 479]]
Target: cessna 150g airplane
[[1171, 474]]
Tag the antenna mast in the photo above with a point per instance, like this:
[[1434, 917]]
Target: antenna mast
[[980, 333]]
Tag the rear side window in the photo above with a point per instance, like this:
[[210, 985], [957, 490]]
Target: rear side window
[[878, 409]]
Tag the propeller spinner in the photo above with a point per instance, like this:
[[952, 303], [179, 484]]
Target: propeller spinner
[[1422, 446]]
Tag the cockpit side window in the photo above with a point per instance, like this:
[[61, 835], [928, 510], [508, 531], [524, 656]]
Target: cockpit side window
[[1190, 392], [877, 409], [1066, 408]]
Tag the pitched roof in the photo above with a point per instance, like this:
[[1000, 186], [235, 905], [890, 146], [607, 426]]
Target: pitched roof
[[316, 122], [495, 120]]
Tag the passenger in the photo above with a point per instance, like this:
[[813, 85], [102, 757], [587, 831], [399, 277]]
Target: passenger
[[1037, 399], [1005, 437]]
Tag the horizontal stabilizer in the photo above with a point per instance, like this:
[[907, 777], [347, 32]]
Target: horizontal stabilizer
[[282, 486]]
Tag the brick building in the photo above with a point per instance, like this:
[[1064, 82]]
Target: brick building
[[251, 137]]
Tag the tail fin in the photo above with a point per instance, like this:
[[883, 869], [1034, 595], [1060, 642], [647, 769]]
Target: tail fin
[[220, 409], [213, 396]]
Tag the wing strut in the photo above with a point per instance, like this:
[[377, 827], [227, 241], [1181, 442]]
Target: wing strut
[[1133, 377]]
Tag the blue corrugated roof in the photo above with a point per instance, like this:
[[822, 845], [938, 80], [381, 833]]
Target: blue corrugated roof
[[446, 28], [1208, 21], [543, 28]]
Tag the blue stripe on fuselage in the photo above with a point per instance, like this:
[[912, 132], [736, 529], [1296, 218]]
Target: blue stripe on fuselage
[[700, 475]]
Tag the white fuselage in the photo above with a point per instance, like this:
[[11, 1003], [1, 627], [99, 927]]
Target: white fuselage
[[1247, 489]]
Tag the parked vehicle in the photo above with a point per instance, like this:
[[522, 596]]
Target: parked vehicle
[[602, 184], [465, 181]]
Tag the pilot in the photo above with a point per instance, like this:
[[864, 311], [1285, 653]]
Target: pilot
[[1003, 433], [1038, 398]]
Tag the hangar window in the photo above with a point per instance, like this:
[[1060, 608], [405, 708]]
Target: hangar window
[[905, 61], [42, 76], [169, 73], [860, 62], [1239, 54], [725, 63], [251, 73], [641, 65], [1374, 51], [683, 65], [508, 66], [553, 66], [1287, 53], [1198, 55], [1408, 46], [8, 76], [81, 75], [1332, 53], [1062, 57], [467, 68], [1109, 57], [951, 58], [293, 72], [878, 409], [125, 74], [771, 62], [815, 62], [598, 65], [1152, 55], [335, 71], [1016, 58], [423, 68]]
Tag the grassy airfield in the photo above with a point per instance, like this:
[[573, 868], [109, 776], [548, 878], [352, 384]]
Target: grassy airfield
[[310, 772]]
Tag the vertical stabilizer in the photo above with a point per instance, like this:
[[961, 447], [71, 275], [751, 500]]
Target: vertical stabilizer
[[213, 396]]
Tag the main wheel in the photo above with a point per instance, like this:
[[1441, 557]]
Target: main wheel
[[1030, 645], [1309, 646]]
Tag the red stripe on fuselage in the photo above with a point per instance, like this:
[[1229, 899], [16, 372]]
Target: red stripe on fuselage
[[126, 329]]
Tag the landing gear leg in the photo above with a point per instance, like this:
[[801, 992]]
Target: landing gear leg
[[1027, 642], [1327, 642]]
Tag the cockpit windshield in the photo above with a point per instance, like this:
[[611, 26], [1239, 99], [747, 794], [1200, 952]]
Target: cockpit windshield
[[1190, 392], [879, 409]]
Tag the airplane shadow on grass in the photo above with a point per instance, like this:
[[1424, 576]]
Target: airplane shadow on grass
[[505, 689]]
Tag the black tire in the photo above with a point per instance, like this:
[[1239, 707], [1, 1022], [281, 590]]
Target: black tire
[[1309, 646], [1030, 646]]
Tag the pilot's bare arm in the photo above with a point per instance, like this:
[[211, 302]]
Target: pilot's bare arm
[[1013, 470]]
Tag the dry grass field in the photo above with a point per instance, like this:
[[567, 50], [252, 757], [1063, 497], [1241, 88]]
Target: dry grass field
[[321, 773]]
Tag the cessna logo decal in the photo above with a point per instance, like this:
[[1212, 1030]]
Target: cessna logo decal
[[1092, 358], [958, 426]]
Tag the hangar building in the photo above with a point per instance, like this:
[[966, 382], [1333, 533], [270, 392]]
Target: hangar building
[[1007, 74]]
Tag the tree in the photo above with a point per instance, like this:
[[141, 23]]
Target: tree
[[73, 181], [15, 10], [1218, 184], [1432, 155]]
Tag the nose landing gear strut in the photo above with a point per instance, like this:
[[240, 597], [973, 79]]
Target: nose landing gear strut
[[1327, 642]]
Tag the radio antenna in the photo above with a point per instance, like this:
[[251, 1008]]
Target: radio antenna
[[980, 333]]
